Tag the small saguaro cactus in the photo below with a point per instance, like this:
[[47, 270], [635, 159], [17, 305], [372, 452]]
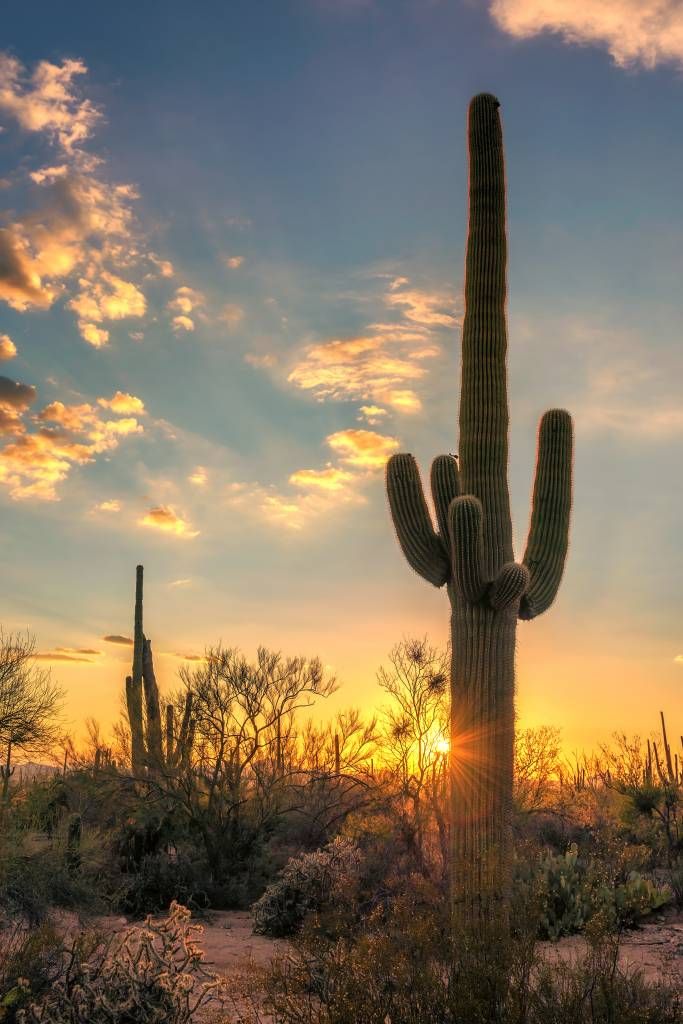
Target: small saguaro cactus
[[147, 741], [470, 550]]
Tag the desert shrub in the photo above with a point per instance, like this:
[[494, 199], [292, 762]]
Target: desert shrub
[[159, 881], [306, 883], [573, 889], [37, 874], [145, 975], [30, 963], [403, 970]]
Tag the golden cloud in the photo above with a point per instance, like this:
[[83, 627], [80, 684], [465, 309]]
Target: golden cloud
[[647, 32], [46, 101], [182, 323], [8, 349], [123, 403], [330, 479], [79, 241], [363, 449], [164, 518], [376, 366], [35, 463]]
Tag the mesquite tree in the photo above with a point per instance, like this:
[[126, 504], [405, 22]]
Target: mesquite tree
[[471, 550]]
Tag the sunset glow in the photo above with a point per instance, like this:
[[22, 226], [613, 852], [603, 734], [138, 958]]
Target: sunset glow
[[231, 286]]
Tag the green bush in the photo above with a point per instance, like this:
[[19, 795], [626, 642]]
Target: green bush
[[574, 889]]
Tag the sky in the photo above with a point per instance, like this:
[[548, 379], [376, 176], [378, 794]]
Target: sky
[[231, 270]]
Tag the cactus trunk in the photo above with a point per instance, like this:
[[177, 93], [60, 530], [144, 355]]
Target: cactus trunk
[[471, 551]]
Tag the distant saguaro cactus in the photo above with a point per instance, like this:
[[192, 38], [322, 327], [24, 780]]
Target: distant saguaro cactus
[[471, 549], [147, 746]]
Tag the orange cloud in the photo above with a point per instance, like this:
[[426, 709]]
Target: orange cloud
[[234, 262], [8, 349], [379, 365], [35, 463], [164, 518], [330, 479], [123, 403], [363, 449]]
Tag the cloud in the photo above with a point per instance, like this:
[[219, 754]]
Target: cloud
[[95, 336], [111, 505], [165, 519], [15, 395], [645, 32], [319, 492], [182, 323], [123, 403], [116, 638], [426, 308], [35, 462], [372, 413], [679, 659], [330, 479], [8, 349], [180, 583], [83, 654], [46, 100], [78, 241], [234, 262], [379, 365], [199, 476], [363, 449]]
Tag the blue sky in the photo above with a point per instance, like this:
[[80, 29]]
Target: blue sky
[[231, 268]]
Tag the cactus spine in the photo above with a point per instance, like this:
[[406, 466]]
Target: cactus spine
[[147, 745], [471, 549]]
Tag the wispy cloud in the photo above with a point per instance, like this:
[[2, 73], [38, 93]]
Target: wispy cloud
[[383, 364], [645, 32], [82, 654], [116, 638], [111, 505]]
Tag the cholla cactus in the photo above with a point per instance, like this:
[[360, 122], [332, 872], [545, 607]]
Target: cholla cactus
[[147, 746], [152, 974], [471, 550]]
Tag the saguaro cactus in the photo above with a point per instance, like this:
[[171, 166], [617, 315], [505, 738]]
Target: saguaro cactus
[[147, 747], [470, 551]]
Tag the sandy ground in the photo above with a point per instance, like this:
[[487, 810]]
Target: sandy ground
[[656, 948]]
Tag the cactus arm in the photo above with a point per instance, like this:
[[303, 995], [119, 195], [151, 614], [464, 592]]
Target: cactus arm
[[154, 747], [510, 585], [413, 524], [134, 683], [483, 446], [548, 539], [467, 547], [445, 481]]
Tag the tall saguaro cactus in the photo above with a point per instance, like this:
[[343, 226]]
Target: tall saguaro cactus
[[470, 550], [147, 746]]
